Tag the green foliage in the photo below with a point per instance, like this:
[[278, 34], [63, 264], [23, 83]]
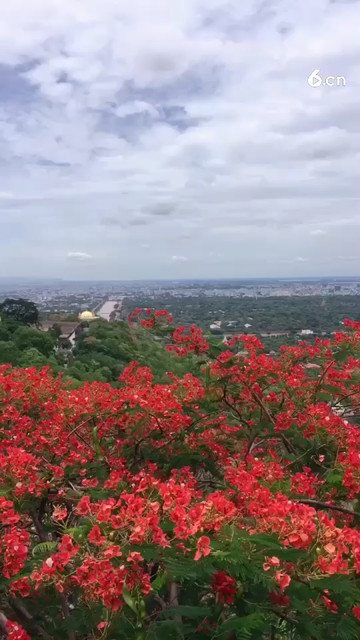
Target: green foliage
[[21, 310], [264, 314], [164, 630], [245, 627], [107, 348], [25, 338], [9, 353], [44, 548], [33, 358]]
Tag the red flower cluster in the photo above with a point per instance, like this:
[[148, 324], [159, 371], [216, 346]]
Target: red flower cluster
[[224, 587], [109, 494], [192, 341], [16, 632]]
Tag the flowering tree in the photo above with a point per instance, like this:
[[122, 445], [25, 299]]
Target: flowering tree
[[222, 505]]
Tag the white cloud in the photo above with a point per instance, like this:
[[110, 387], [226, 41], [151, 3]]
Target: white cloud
[[179, 258], [186, 126], [318, 232], [79, 255]]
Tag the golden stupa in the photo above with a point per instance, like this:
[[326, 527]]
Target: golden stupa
[[87, 315]]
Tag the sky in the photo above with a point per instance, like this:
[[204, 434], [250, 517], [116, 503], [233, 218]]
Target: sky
[[170, 139]]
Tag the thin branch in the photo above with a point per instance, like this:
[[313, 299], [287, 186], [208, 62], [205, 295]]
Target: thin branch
[[254, 445], [39, 528], [66, 613], [325, 505], [348, 395], [240, 416], [271, 419], [297, 459], [263, 406], [321, 379], [22, 612], [3, 627], [290, 447], [174, 602], [284, 617]]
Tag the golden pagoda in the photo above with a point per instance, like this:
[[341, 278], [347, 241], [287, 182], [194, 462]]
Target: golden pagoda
[[87, 316]]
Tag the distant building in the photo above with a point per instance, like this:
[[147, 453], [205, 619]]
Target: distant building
[[87, 316], [215, 326], [69, 330], [274, 334], [306, 332]]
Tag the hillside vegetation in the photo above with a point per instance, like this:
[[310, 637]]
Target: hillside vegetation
[[101, 353]]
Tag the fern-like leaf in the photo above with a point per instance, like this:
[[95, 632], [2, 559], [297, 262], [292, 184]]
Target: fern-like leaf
[[44, 548]]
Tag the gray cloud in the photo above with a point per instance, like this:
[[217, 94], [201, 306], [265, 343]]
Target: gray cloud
[[161, 209], [187, 129], [111, 221]]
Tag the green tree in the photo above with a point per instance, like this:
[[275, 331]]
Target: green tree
[[55, 331], [22, 310], [25, 337], [9, 353], [32, 357]]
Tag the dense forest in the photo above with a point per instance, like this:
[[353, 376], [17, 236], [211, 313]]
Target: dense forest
[[253, 315]]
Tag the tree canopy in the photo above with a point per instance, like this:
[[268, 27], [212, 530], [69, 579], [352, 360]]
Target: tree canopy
[[24, 311]]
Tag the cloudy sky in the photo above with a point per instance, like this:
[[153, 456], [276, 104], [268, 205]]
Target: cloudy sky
[[177, 139]]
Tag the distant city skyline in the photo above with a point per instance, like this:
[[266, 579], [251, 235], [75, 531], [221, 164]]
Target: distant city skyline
[[269, 279]]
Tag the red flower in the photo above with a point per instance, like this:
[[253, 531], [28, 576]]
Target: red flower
[[224, 586], [271, 562], [60, 513], [113, 551], [21, 586], [16, 632], [356, 612], [278, 598], [202, 547], [283, 580], [95, 536]]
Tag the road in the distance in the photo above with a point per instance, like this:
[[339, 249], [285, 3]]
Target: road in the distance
[[108, 308]]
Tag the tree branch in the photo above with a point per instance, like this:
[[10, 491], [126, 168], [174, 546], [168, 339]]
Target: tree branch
[[39, 528], [325, 505], [66, 613], [23, 613]]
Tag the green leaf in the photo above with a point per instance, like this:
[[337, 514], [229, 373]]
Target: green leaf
[[243, 626], [44, 548], [335, 477], [267, 541], [291, 554], [164, 630], [160, 580], [207, 378], [78, 533], [187, 611], [347, 629], [128, 599], [338, 585], [308, 629]]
